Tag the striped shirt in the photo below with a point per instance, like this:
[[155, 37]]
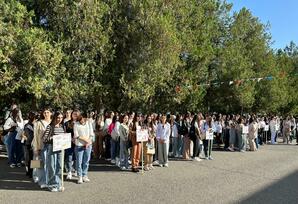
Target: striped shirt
[[50, 131]]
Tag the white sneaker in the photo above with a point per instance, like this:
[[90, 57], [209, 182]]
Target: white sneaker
[[160, 165], [86, 179], [117, 161], [231, 149], [155, 162], [123, 168], [113, 161], [166, 165], [12, 166], [80, 181], [69, 176], [43, 186], [197, 159], [54, 190]]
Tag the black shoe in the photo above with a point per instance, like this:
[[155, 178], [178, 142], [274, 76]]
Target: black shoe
[[135, 170]]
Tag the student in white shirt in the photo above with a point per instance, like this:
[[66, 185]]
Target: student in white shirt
[[163, 138], [83, 134], [273, 129], [12, 126], [175, 136]]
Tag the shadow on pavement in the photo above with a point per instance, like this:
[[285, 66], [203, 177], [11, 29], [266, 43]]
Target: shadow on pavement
[[15, 179], [284, 190], [102, 165]]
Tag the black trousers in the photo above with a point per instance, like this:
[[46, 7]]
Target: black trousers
[[107, 140], [205, 143], [226, 133], [196, 147], [28, 157]]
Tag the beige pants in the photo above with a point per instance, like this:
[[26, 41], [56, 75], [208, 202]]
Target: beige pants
[[252, 144], [186, 149]]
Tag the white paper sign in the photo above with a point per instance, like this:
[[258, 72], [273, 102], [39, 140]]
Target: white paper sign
[[61, 141], [209, 135], [142, 135], [266, 128], [245, 130]]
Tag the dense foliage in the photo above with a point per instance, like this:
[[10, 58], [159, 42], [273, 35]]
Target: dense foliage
[[142, 55]]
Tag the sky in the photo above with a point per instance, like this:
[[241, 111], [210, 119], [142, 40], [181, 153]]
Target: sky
[[281, 14]]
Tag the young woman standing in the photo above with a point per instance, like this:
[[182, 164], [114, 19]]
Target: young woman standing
[[123, 132], [150, 144], [83, 134], [12, 126], [40, 151], [98, 146], [163, 137], [113, 130], [136, 146], [70, 153], [253, 134], [54, 158], [28, 137], [208, 127]]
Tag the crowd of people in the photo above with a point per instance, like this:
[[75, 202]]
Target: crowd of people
[[113, 136]]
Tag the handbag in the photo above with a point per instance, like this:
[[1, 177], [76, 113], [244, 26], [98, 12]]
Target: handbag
[[150, 149], [36, 164]]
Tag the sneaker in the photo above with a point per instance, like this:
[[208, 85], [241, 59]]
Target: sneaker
[[109, 159], [117, 161], [75, 174], [231, 149], [86, 179], [155, 162], [166, 165], [54, 190], [160, 165], [243, 151], [122, 168], [210, 158], [43, 186], [80, 181], [12, 166], [198, 159], [113, 161], [19, 165], [69, 176]]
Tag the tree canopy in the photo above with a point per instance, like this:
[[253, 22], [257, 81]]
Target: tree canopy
[[143, 55]]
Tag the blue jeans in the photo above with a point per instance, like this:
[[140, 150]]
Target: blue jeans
[[69, 158], [124, 154], [175, 147], [257, 142], [54, 168], [83, 157], [14, 148], [114, 149], [42, 173]]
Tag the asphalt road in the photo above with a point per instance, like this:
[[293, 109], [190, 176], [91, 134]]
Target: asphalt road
[[269, 175]]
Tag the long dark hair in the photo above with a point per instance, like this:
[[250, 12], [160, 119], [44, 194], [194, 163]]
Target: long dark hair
[[195, 118], [134, 121], [56, 114]]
